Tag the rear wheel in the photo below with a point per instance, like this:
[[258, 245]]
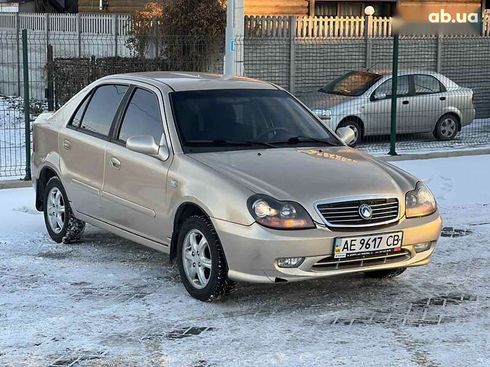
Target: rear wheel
[[355, 125], [62, 226], [201, 260], [446, 128], [385, 274]]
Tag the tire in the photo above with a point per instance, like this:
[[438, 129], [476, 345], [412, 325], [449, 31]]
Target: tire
[[62, 226], [385, 274], [447, 127], [207, 282], [354, 125]]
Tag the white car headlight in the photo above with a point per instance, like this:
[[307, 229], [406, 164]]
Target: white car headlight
[[276, 214], [323, 113], [419, 202]]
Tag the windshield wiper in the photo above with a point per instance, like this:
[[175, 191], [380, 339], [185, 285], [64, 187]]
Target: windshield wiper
[[225, 142], [304, 139]]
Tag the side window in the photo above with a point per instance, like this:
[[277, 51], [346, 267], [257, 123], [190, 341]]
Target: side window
[[102, 108], [425, 84], [142, 116], [403, 87], [77, 118]]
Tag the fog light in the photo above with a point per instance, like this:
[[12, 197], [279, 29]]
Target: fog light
[[421, 247], [290, 262]]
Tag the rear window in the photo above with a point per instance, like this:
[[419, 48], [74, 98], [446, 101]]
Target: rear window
[[102, 109]]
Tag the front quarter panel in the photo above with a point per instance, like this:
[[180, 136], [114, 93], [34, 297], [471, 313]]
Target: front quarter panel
[[192, 182]]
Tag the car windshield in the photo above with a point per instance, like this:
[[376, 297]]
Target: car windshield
[[218, 120], [351, 84]]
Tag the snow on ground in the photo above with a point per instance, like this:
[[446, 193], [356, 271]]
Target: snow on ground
[[109, 302]]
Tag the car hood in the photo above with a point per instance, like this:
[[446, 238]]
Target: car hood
[[311, 175], [319, 100]]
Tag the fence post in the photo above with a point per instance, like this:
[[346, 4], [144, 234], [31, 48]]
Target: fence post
[[50, 89], [292, 54], [17, 27], [367, 38], [27, 118], [114, 33], [394, 87], [46, 28], [439, 53], [79, 35]]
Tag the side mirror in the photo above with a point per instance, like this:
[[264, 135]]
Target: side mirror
[[346, 134], [146, 144], [378, 96]]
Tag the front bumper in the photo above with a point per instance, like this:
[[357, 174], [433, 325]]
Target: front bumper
[[252, 251]]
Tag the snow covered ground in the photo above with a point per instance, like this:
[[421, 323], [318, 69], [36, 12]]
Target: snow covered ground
[[110, 302]]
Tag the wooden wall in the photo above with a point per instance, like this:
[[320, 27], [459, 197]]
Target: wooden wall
[[277, 7], [114, 6], [252, 7]]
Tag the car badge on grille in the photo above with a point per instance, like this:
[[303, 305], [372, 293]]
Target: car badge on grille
[[365, 211]]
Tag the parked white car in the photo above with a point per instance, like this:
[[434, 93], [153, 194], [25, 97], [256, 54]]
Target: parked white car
[[361, 100]]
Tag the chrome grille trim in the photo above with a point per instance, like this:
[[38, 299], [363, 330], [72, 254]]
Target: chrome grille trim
[[330, 263], [346, 213]]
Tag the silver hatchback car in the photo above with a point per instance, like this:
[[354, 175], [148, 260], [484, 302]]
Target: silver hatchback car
[[427, 102], [234, 178]]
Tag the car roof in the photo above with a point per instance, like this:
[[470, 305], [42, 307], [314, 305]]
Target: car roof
[[186, 81], [386, 73]]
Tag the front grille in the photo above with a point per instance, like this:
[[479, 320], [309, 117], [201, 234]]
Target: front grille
[[330, 263], [346, 214]]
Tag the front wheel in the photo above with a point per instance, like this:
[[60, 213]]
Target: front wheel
[[62, 226], [201, 260], [385, 274], [356, 127]]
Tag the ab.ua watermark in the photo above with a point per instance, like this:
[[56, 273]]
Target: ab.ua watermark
[[440, 18], [446, 17]]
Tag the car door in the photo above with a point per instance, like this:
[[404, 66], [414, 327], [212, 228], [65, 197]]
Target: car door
[[426, 106], [82, 144], [134, 192], [378, 111]]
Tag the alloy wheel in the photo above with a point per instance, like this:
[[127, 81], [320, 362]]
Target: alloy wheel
[[56, 210], [196, 258], [448, 127]]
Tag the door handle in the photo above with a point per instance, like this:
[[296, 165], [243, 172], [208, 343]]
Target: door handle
[[66, 144], [442, 98], [116, 163], [406, 102]]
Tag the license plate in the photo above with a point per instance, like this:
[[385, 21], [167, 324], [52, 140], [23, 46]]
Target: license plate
[[367, 245]]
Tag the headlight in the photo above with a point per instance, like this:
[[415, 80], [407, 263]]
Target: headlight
[[277, 214], [323, 114], [419, 202]]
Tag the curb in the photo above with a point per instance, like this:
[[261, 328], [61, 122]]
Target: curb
[[14, 184], [431, 155]]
